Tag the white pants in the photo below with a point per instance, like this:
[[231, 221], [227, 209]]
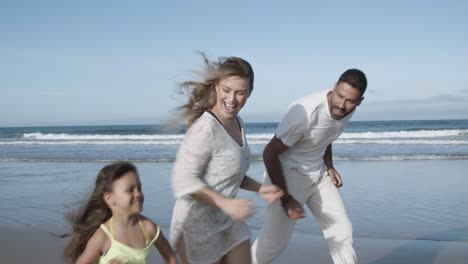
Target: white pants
[[325, 203]]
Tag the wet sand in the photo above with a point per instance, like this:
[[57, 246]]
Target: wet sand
[[21, 244]]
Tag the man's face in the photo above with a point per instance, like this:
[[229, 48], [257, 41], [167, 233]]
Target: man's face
[[343, 99]]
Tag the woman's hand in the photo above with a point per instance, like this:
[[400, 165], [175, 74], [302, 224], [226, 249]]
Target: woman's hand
[[270, 193], [238, 209]]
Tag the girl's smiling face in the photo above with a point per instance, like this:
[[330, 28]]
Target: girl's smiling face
[[126, 195]]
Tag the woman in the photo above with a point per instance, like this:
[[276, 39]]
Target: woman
[[208, 220]]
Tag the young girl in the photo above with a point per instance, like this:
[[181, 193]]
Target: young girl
[[109, 228]]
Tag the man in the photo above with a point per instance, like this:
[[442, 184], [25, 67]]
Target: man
[[299, 160]]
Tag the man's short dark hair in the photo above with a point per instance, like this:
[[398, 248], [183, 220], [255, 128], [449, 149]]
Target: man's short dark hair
[[356, 78]]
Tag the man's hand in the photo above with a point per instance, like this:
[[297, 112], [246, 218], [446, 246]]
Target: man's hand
[[335, 177], [293, 209]]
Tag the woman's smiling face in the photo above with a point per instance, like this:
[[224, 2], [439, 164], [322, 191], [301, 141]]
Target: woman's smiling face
[[231, 95]]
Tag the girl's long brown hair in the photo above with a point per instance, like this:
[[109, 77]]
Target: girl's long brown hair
[[95, 211], [202, 94]]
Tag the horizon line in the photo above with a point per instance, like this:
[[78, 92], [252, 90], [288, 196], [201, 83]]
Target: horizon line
[[265, 122]]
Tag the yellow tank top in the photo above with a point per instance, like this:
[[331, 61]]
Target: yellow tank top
[[126, 254]]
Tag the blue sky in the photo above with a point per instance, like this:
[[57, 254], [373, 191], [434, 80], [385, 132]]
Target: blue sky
[[118, 62]]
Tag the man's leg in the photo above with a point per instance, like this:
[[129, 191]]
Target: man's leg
[[277, 227], [274, 235], [328, 208]]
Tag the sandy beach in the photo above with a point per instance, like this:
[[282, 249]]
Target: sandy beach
[[402, 211], [34, 244]]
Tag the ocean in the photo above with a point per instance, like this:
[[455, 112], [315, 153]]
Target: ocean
[[402, 179], [365, 140]]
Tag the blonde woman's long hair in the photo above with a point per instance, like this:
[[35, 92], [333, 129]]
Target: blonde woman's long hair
[[202, 94]]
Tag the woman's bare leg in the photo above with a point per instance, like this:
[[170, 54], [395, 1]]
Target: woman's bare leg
[[239, 254], [181, 250]]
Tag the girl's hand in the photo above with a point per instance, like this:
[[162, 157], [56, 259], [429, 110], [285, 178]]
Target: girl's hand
[[114, 261], [270, 193], [238, 209]]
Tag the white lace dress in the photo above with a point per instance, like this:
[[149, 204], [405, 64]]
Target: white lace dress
[[208, 157]]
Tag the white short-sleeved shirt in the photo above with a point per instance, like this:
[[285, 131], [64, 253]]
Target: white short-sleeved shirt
[[307, 129]]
